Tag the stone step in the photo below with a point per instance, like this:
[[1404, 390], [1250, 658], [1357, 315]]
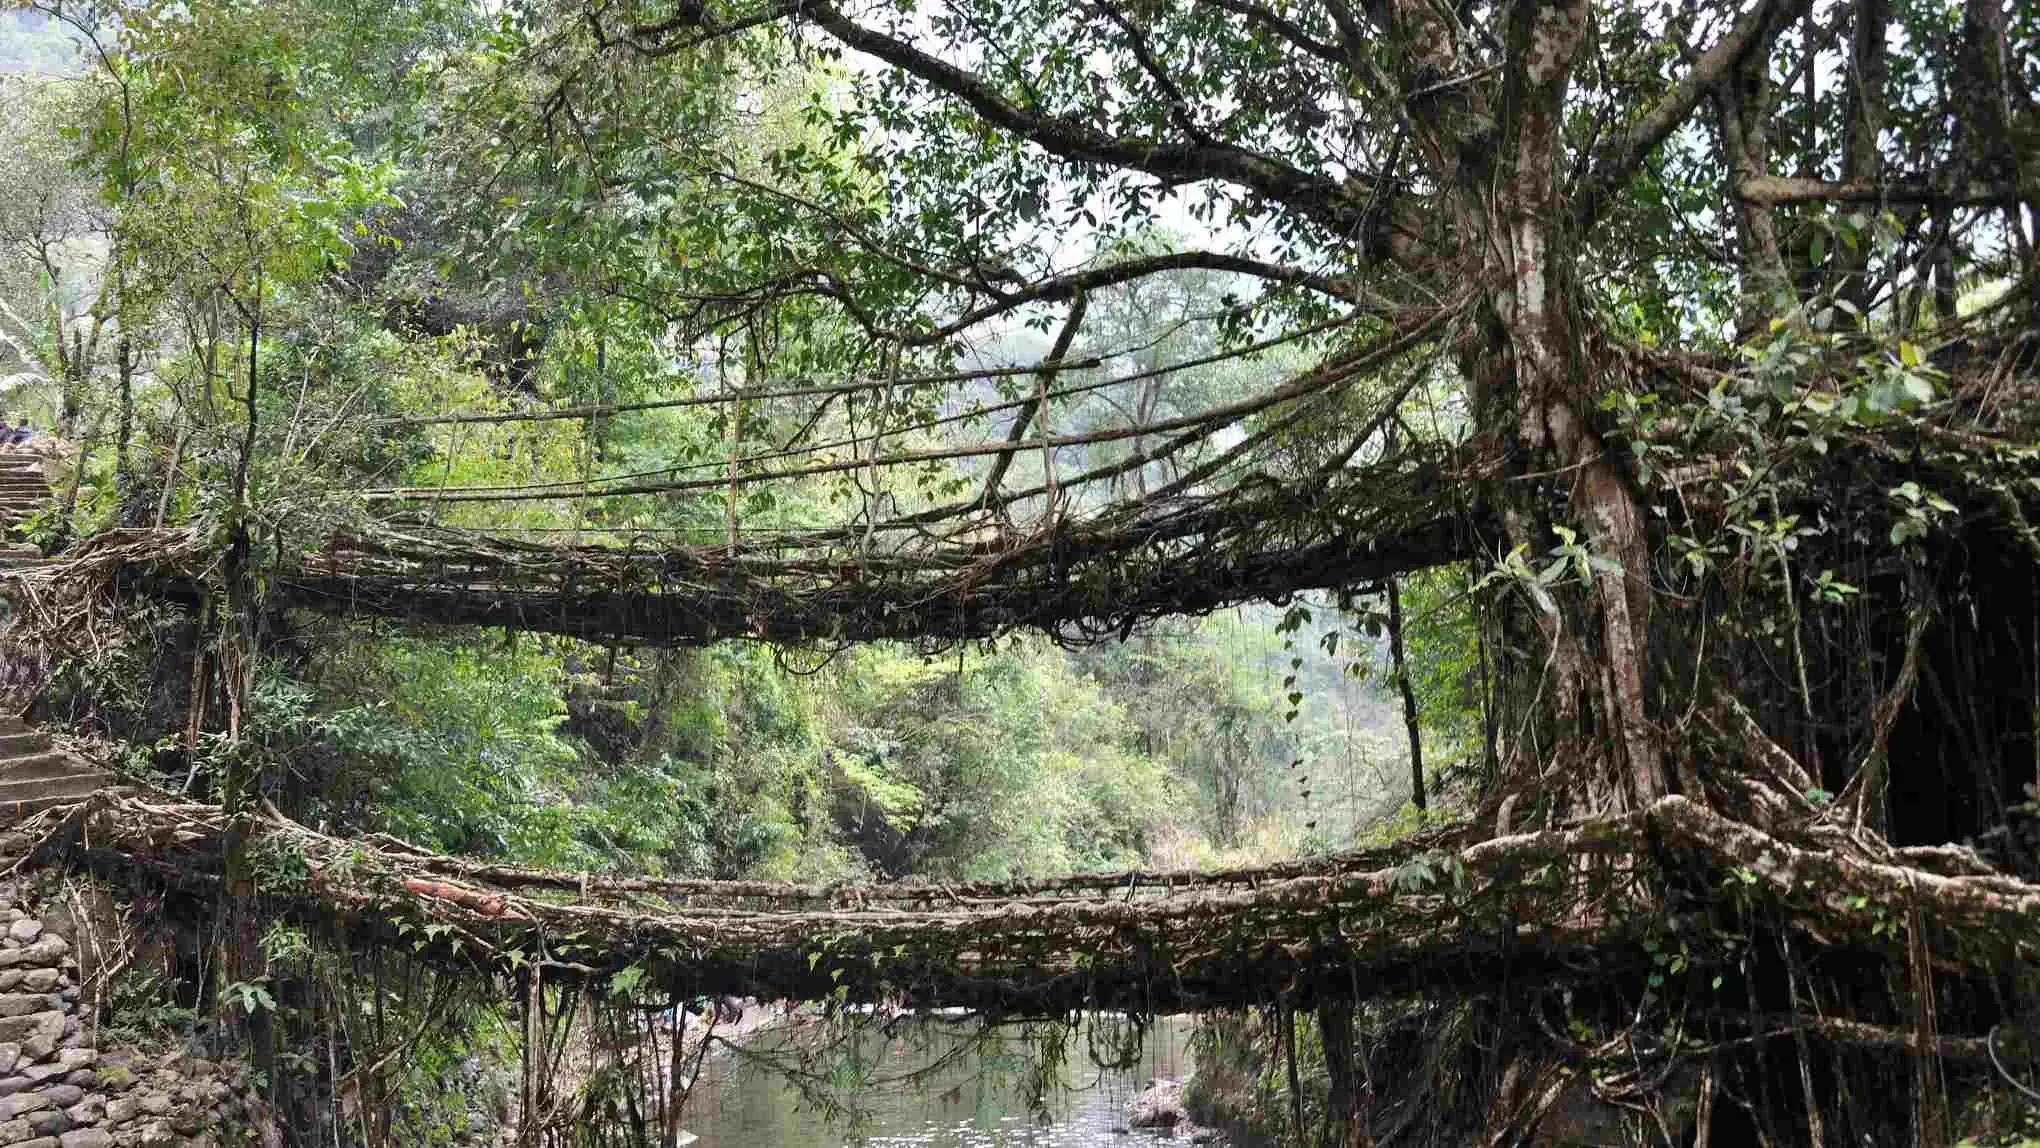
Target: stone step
[[40, 767], [22, 741], [48, 791], [81, 779]]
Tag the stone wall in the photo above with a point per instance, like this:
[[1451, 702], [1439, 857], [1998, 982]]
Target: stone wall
[[57, 1090]]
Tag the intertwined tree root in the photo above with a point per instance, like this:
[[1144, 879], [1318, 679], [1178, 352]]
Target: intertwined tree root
[[1561, 904]]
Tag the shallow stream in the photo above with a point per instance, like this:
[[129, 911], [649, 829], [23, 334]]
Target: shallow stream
[[921, 1087]]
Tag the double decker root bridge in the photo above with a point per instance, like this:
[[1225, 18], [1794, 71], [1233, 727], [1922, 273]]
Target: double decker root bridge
[[1594, 892]]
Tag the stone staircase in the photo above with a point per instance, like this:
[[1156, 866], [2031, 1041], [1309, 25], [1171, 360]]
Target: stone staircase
[[34, 773], [24, 489]]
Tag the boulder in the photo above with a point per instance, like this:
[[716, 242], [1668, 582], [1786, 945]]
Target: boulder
[[21, 1104], [1159, 1105], [25, 1025], [90, 1110]]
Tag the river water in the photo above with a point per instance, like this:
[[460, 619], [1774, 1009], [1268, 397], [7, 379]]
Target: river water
[[920, 1085]]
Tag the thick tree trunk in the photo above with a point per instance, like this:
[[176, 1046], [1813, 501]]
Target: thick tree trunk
[[1345, 1126], [1409, 694], [241, 785], [133, 508], [240, 791], [1862, 157], [1743, 103], [1536, 387]]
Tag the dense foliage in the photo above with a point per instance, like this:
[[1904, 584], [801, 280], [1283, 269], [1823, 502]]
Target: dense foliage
[[296, 282]]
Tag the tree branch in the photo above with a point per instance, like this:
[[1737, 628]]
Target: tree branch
[[1288, 30], [1617, 162], [1049, 367], [1137, 43], [1060, 287], [661, 39], [1774, 190], [1322, 199]]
